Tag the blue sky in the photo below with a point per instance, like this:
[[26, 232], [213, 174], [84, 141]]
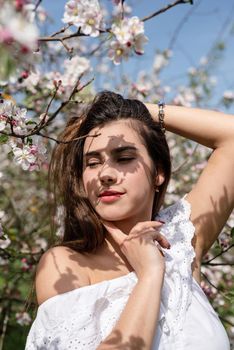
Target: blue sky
[[203, 23]]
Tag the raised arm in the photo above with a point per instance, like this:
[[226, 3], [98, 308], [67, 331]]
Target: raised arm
[[212, 198]]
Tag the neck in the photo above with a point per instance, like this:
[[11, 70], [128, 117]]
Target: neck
[[126, 225]]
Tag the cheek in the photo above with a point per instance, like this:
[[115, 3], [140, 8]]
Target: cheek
[[90, 184]]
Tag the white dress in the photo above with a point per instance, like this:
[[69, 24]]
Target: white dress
[[82, 318]]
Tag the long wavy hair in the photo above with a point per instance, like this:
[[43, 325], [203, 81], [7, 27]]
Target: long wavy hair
[[83, 230]]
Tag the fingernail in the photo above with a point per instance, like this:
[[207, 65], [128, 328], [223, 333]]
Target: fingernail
[[162, 222], [168, 246]]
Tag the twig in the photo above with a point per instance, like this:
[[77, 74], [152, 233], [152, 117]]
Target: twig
[[227, 321], [48, 106], [184, 19], [4, 328], [221, 253], [218, 264], [38, 127], [164, 9], [62, 30], [186, 160], [69, 49], [224, 296], [37, 5], [59, 141], [80, 34], [224, 25], [63, 104]]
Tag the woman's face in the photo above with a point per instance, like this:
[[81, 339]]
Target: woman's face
[[117, 173]]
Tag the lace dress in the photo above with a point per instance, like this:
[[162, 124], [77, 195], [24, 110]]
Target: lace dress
[[82, 318]]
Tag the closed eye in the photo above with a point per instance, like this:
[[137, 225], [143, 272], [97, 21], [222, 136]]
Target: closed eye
[[93, 164], [125, 159]]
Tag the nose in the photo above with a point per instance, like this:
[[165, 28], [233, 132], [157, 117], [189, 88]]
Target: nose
[[107, 176]]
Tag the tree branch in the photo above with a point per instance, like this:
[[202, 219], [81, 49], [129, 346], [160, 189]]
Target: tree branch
[[78, 33], [36, 130], [59, 141], [221, 253], [164, 9]]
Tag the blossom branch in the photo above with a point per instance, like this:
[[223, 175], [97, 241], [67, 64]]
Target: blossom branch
[[49, 105], [36, 130], [63, 104], [78, 33]]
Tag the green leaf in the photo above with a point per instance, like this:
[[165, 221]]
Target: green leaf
[[3, 139], [12, 233]]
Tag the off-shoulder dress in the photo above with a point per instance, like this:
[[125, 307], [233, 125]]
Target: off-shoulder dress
[[82, 318]]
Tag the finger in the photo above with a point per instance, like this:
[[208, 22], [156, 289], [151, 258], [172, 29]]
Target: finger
[[154, 234], [159, 248], [145, 225], [114, 231], [161, 239]]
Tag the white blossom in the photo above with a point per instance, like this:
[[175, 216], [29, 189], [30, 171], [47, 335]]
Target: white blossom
[[32, 81], [228, 95], [117, 52], [23, 318], [204, 60], [185, 97], [24, 157], [84, 14], [73, 69], [4, 243], [18, 28], [161, 60], [129, 37], [3, 122], [40, 13], [119, 8], [192, 71]]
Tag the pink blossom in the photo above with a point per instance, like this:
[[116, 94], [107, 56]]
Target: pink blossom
[[25, 266]]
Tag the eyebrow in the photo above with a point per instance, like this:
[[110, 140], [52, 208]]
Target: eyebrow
[[114, 151]]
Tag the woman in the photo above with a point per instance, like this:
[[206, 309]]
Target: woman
[[125, 275]]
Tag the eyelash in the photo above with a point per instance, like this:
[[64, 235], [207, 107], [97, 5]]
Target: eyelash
[[122, 159]]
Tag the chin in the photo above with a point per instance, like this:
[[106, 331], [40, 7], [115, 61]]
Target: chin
[[113, 216]]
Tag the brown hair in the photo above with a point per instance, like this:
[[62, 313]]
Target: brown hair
[[83, 230]]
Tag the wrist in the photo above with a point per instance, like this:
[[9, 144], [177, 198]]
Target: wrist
[[152, 276]]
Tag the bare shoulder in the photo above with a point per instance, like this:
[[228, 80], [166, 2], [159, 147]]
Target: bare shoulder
[[60, 270]]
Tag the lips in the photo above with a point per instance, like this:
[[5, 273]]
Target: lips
[[110, 193]]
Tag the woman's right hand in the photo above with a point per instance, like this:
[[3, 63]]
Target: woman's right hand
[[141, 246]]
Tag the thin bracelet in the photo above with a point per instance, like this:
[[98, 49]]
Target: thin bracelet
[[161, 115]]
